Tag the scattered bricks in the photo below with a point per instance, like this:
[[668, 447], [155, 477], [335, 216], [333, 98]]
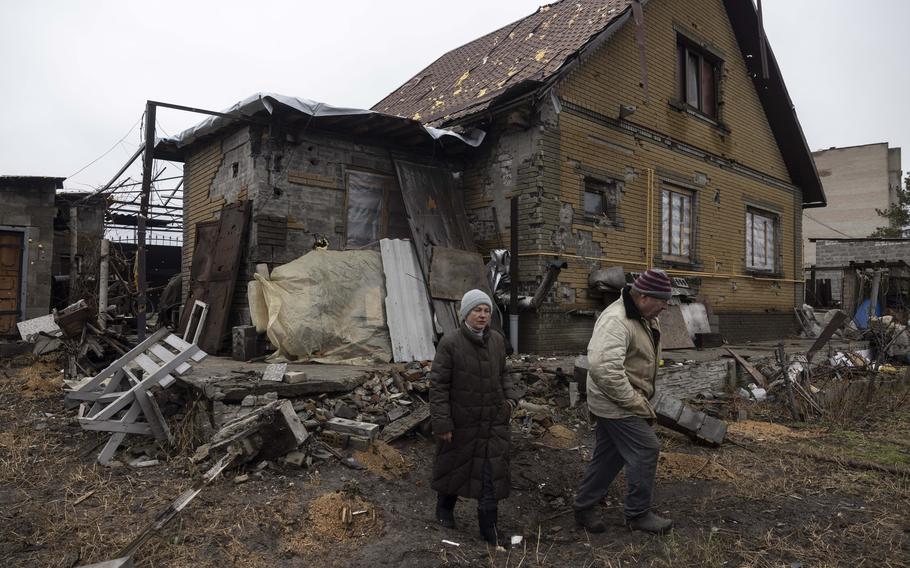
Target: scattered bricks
[[343, 410], [295, 458], [294, 377], [712, 431], [397, 412], [364, 429], [244, 343], [275, 372]]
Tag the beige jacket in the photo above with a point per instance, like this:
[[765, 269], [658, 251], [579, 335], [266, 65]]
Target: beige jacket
[[623, 355]]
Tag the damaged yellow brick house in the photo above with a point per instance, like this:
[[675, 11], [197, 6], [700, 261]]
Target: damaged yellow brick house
[[633, 134]]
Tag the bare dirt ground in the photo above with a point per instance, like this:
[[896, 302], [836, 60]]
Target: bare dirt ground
[[780, 494]]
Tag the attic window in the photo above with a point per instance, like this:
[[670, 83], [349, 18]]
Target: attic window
[[697, 73]]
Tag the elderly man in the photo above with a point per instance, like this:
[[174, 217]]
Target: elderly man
[[624, 354]]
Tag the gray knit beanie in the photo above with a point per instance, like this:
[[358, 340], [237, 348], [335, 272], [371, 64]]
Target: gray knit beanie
[[471, 300]]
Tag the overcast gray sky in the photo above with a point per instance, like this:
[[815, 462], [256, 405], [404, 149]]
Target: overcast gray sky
[[76, 74]]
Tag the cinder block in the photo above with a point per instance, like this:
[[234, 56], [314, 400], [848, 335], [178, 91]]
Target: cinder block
[[712, 431]]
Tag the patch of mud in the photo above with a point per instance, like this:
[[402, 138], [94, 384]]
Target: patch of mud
[[673, 465], [559, 437], [384, 460], [763, 431], [333, 518]]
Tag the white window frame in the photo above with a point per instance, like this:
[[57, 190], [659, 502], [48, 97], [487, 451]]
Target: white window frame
[[761, 240], [677, 227]]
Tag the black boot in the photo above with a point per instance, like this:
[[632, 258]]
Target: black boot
[[489, 529], [590, 519], [445, 510]]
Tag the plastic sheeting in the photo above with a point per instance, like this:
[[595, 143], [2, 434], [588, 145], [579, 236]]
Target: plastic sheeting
[[327, 307], [272, 102]]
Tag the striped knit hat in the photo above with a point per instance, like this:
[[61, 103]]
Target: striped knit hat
[[653, 282]]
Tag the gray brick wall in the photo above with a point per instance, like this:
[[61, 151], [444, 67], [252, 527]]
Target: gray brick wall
[[842, 252]]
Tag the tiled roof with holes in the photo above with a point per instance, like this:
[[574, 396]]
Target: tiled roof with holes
[[467, 79]]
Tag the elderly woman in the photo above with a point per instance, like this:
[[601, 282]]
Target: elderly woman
[[471, 399]]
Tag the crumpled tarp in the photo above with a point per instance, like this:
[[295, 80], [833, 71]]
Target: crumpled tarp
[[273, 102], [327, 307]]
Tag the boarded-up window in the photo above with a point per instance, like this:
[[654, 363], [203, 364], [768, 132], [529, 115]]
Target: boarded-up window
[[375, 210], [697, 73], [761, 240], [601, 199], [676, 223]]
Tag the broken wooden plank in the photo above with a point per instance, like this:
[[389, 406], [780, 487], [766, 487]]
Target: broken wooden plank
[[759, 378], [826, 334], [402, 426]]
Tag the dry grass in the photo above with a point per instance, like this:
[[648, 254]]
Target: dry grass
[[384, 460]]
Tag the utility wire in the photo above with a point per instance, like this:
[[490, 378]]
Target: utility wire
[[828, 226], [80, 170]]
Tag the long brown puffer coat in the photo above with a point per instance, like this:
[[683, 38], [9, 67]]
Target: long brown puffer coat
[[469, 392]]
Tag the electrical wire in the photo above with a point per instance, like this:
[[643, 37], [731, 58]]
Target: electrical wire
[[80, 170], [827, 226]]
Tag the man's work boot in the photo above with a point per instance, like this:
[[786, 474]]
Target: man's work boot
[[590, 520], [445, 510], [649, 522]]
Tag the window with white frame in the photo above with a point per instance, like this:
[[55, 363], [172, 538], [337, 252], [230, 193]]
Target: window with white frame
[[676, 225], [761, 240]]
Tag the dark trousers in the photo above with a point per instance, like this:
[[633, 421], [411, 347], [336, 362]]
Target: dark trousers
[[628, 442], [487, 501]]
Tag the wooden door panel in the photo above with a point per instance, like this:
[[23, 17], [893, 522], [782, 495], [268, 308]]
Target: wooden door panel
[[10, 278]]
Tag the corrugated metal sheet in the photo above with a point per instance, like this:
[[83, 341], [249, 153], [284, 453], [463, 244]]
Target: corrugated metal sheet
[[407, 303]]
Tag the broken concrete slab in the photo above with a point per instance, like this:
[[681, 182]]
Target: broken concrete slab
[[267, 432], [234, 389], [29, 329]]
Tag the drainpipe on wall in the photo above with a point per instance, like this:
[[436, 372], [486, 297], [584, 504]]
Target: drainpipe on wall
[[513, 277]]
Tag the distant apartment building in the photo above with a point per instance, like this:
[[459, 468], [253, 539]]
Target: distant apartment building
[[857, 181]]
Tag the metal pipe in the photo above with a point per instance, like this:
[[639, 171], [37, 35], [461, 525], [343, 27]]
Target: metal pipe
[[513, 276], [104, 273], [117, 175]]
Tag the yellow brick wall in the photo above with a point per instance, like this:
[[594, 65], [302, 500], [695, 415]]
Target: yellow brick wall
[[611, 77], [198, 173]]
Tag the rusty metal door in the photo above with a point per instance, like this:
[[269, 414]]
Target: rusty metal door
[[10, 280]]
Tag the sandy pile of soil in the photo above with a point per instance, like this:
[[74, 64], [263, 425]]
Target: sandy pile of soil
[[763, 431], [333, 518], [41, 378], [559, 437], [673, 465], [384, 460]]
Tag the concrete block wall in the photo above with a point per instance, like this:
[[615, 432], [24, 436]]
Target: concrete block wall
[[841, 252], [31, 210]]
